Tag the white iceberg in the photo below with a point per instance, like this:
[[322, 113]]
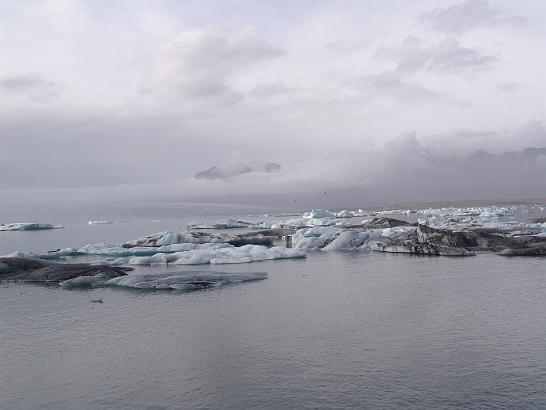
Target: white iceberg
[[318, 213], [344, 214], [347, 240], [312, 243], [224, 255]]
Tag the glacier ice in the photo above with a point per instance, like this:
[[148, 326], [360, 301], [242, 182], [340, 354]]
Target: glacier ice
[[318, 213], [347, 239], [181, 281], [227, 224], [344, 214], [27, 226], [223, 255]]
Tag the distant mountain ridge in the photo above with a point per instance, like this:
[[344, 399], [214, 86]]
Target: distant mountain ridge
[[215, 172]]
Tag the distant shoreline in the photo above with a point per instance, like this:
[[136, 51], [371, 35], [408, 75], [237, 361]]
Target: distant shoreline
[[466, 203]]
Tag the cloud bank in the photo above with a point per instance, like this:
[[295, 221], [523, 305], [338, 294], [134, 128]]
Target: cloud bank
[[382, 100]]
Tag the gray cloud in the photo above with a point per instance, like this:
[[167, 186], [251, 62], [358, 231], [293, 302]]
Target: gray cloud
[[268, 89], [458, 165], [29, 86], [405, 170], [446, 56], [162, 90], [508, 86], [200, 64], [343, 45], [469, 15], [390, 85]]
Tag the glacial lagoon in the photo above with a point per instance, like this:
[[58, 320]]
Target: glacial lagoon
[[342, 328]]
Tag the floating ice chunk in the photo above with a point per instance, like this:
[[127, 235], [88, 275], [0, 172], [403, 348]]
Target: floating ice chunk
[[85, 281], [347, 239], [28, 254], [360, 212], [168, 239], [195, 257], [322, 234], [318, 213], [27, 226], [188, 281], [299, 223], [214, 245], [397, 231], [321, 222], [177, 247], [309, 244], [140, 260], [228, 224], [66, 252], [344, 214], [223, 255], [320, 230], [161, 239], [108, 249], [21, 254]]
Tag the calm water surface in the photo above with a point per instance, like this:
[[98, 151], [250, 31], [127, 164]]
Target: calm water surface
[[337, 330]]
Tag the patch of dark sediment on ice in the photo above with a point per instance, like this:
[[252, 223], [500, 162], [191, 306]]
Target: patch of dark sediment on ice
[[180, 281]]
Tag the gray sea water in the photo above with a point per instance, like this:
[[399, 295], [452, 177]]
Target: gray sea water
[[347, 329]]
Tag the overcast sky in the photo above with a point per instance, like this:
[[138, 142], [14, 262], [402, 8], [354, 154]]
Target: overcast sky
[[399, 100]]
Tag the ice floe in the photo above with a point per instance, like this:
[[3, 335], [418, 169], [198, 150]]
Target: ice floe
[[223, 255], [227, 224], [27, 226], [318, 213], [347, 240], [181, 281]]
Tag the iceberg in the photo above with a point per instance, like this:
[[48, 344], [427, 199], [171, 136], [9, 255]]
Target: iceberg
[[346, 240], [310, 243], [344, 214], [318, 213], [229, 224], [163, 239], [27, 226], [181, 281], [224, 255]]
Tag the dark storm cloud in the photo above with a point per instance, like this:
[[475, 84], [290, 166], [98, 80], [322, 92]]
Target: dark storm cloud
[[468, 15], [445, 56]]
